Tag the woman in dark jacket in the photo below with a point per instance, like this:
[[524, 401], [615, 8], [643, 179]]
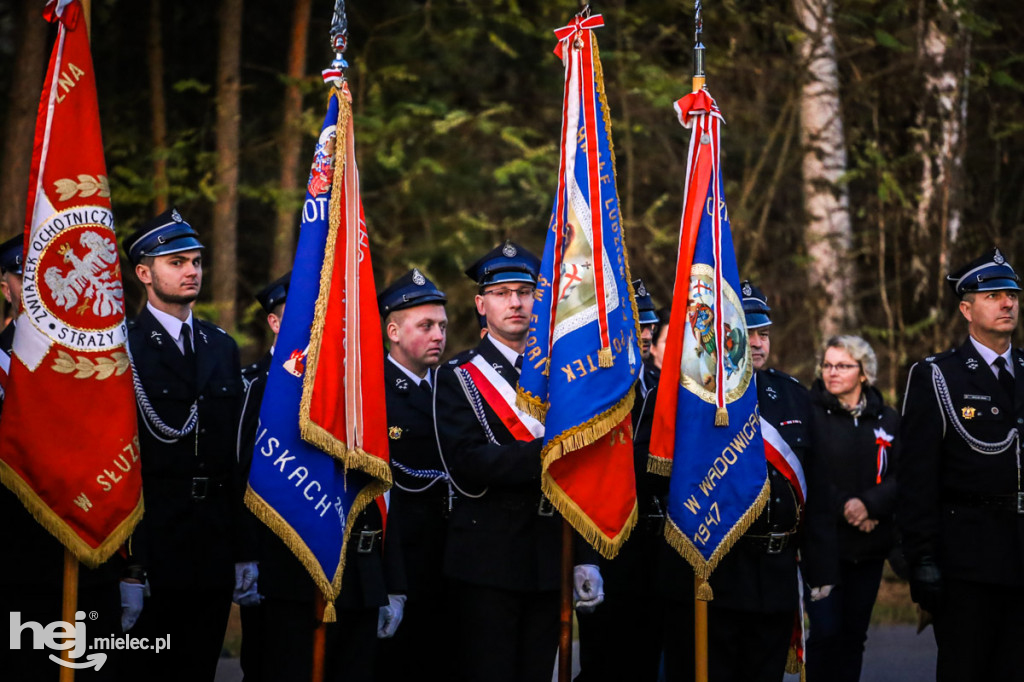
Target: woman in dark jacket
[[858, 432]]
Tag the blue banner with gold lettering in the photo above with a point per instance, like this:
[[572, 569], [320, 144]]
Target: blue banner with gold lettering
[[308, 497], [707, 433], [583, 355]]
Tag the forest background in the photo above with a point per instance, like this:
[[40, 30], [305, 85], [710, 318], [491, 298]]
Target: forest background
[[870, 144]]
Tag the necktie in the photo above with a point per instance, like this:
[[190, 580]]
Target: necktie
[[1005, 378], [186, 343], [519, 363], [425, 387]]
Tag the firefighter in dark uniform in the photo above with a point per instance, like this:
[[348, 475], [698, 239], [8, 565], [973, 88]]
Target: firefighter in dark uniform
[[504, 537], [415, 324], [632, 615], [189, 394], [961, 512], [278, 624], [756, 608], [10, 283]]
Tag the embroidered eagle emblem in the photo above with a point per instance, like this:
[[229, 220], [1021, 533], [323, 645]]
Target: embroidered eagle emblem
[[91, 279]]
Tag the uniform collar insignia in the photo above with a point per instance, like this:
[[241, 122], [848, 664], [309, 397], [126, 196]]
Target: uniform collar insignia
[[202, 334], [157, 336], [972, 364], [771, 393], [402, 384]]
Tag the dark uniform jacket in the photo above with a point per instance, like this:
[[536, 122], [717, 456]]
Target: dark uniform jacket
[[634, 569], [496, 537], [752, 578], [851, 447], [188, 535], [419, 496], [6, 343], [959, 468], [367, 579]]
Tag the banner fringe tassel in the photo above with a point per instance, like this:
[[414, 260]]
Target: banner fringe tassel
[[659, 466], [607, 547], [604, 358], [91, 557], [721, 417], [531, 404], [702, 568], [704, 592], [330, 613]]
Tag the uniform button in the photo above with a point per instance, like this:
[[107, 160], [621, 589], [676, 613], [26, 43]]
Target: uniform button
[[778, 500], [202, 397], [774, 473], [1020, 420], [165, 391], [224, 388], [202, 430], [202, 465]]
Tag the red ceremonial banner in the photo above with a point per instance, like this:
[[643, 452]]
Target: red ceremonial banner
[[68, 442]]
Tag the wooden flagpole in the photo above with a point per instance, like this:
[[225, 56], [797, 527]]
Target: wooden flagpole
[[319, 638], [565, 629], [700, 608], [68, 607], [69, 588]]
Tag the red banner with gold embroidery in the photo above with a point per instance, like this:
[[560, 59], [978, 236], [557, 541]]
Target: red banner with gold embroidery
[[68, 439]]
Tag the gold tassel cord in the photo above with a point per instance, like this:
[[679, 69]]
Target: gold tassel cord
[[330, 614], [704, 591], [604, 357], [721, 417]]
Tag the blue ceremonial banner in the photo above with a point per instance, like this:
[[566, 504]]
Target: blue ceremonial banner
[[707, 431], [308, 497], [583, 356]]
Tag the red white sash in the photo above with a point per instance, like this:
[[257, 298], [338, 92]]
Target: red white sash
[[500, 396], [781, 456]]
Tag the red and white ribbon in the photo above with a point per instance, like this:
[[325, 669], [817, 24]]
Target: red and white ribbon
[[884, 441]]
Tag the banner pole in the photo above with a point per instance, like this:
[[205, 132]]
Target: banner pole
[[68, 607], [700, 632], [565, 632], [319, 638]]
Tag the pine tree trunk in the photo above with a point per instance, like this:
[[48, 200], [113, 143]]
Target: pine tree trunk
[[158, 107], [943, 52], [828, 232], [291, 138], [22, 105], [225, 210]]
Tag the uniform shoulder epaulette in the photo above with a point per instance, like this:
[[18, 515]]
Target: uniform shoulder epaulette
[[251, 371], [939, 357], [783, 375], [462, 357], [211, 325]]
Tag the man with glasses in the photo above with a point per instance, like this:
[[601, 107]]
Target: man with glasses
[[961, 505], [504, 538]]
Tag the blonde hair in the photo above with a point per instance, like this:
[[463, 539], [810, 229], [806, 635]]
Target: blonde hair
[[859, 349]]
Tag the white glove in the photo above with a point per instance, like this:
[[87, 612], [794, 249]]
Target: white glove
[[818, 593], [246, 590], [389, 617], [589, 587], [131, 604]]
